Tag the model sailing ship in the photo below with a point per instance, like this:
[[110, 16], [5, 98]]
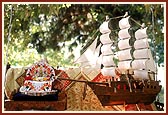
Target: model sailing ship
[[132, 79]]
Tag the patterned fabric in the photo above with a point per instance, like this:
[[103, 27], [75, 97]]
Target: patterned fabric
[[20, 80], [39, 78], [12, 83], [101, 78], [76, 102], [61, 84], [40, 72], [36, 86]]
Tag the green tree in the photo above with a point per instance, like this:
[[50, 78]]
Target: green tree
[[52, 28]]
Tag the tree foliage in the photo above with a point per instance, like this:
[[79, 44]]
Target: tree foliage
[[50, 28]]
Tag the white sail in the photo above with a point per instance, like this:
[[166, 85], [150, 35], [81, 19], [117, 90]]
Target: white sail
[[143, 56], [108, 60], [140, 74], [141, 33], [139, 61], [124, 65], [124, 55], [124, 33], [93, 63], [86, 64], [141, 43], [142, 53], [106, 49], [124, 44], [104, 27], [99, 61], [105, 38], [90, 56], [146, 64], [110, 71], [139, 64], [97, 51], [124, 23]]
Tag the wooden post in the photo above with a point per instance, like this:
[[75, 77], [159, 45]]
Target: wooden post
[[137, 107], [124, 106], [129, 83]]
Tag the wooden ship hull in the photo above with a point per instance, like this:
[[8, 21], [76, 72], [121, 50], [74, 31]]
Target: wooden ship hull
[[121, 92], [117, 92]]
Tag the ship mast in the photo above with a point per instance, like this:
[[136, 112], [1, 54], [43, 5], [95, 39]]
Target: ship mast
[[143, 63], [125, 48], [134, 53], [106, 50]]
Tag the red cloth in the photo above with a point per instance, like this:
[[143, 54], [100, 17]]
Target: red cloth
[[28, 78], [101, 78], [61, 84]]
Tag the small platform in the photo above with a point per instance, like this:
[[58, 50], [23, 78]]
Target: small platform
[[59, 105]]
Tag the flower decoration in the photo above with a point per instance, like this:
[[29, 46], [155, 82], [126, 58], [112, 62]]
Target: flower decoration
[[40, 72], [39, 78]]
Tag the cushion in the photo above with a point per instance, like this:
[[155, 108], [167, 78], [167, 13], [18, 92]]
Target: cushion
[[23, 97], [12, 82], [20, 80], [61, 84]]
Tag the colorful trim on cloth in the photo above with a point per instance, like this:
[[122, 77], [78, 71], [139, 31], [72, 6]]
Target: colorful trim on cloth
[[40, 72], [101, 78], [36, 86], [61, 84]]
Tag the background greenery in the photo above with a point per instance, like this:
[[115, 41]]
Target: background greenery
[[56, 30]]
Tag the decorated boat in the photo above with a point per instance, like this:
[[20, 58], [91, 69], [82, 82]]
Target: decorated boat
[[129, 68]]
